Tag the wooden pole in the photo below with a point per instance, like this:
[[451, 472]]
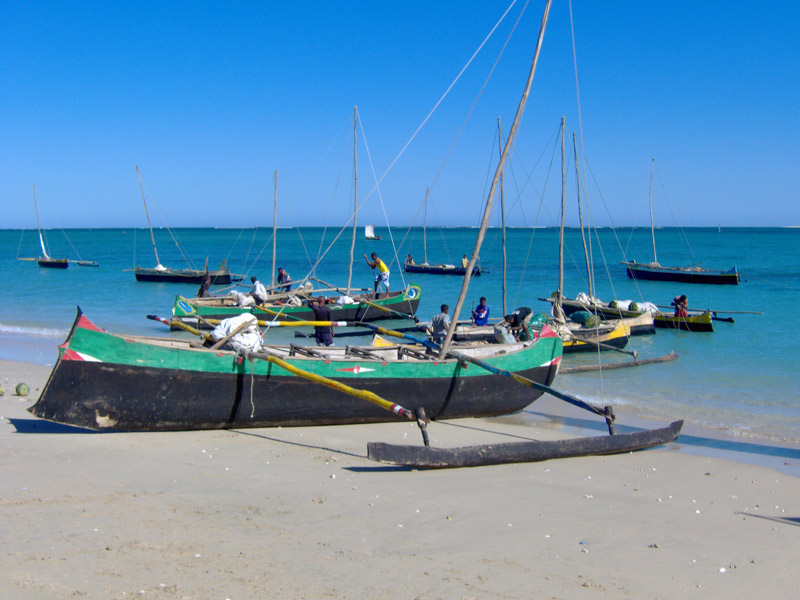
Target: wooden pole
[[274, 224], [589, 274], [355, 197], [485, 222], [425, 229], [502, 217], [652, 221], [147, 214]]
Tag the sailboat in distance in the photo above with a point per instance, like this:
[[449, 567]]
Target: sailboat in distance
[[656, 272], [47, 261], [160, 273]]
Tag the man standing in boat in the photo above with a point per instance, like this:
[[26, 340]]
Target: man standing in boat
[[518, 322], [464, 262], [440, 324], [382, 276], [323, 335], [283, 280]]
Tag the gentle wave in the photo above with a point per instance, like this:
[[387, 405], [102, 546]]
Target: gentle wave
[[40, 331]]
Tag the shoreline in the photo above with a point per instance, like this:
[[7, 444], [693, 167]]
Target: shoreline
[[736, 445], [301, 512]]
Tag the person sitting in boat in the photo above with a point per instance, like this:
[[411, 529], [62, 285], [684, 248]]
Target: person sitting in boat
[[681, 304], [204, 285], [409, 260], [480, 316], [439, 325], [518, 323], [323, 335], [259, 292], [283, 280], [464, 262], [382, 275]]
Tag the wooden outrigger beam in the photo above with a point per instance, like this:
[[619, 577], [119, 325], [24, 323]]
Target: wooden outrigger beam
[[514, 452]]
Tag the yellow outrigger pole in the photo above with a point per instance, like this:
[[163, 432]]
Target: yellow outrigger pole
[[346, 389]]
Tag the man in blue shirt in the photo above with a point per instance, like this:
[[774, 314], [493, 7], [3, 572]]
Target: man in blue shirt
[[480, 315]]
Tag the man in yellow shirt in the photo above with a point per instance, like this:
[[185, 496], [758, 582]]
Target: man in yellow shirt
[[382, 276]]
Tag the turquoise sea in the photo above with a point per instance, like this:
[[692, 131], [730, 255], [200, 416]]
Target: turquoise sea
[[740, 380]]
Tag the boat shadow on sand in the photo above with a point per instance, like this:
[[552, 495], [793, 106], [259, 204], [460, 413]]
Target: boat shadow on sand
[[39, 426]]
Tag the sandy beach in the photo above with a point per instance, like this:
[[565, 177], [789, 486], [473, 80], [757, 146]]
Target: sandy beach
[[302, 513]]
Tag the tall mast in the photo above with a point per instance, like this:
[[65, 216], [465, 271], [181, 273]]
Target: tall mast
[[487, 211], [502, 217], [38, 228], [589, 274], [652, 222], [146, 214], [274, 225], [425, 228], [355, 196], [557, 310]]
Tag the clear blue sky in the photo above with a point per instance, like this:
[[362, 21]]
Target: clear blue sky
[[208, 99]]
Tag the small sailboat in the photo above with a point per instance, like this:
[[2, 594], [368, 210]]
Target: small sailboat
[[437, 269], [369, 233], [47, 261], [656, 272], [160, 273]]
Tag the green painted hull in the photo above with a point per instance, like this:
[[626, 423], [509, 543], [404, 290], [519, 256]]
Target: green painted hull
[[400, 305], [104, 381]]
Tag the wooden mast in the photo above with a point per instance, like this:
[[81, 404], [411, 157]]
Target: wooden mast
[[485, 222], [274, 225], [355, 196], [38, 228], [589, 274], [425, 229], [652, 222], [147, 214], [502, 217], [558, 312]]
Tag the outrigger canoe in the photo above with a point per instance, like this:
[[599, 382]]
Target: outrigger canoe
[[695, 322], [363, 307], [109, 382]]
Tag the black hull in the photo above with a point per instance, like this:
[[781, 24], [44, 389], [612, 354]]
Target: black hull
[[183, 276], [681, 276], [53, 263], [439, 270], [113, 397], [590, 346], [683, 325]]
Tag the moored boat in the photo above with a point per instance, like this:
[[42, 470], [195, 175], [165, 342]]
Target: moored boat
[[221, 276], [109, 382], [640, 321], [693, 322], [440, 269], [653, 271], [401, 304]]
